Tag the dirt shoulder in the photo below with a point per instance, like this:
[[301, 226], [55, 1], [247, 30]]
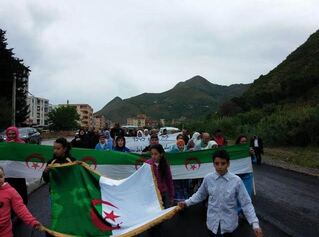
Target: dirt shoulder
[[302, 160]]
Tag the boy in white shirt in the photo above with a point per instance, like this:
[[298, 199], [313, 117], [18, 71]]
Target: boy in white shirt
[[223, 190]]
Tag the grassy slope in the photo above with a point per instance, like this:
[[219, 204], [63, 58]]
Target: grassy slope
[[302, 156]]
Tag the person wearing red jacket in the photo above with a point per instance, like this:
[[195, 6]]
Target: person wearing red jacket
[[11, 200]]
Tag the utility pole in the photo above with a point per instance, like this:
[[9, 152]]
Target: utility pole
[[14, 100]]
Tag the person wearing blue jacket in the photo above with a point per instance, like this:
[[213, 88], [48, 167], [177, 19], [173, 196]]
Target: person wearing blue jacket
[[103, 145], [178, 147], [120, 144]]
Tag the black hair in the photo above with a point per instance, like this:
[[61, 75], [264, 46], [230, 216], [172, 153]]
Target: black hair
[[102, 135], [163, 164], [240, 137], [81, 135], [223, 154], [154, 136], [118, 138], [180, 135], [66, 145]]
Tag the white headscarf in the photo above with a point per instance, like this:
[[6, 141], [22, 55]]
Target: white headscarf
[[212, 144], [195, 136], [139, 132]]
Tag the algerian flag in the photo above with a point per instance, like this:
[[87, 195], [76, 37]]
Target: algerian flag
[[29, 160], [85, 203]]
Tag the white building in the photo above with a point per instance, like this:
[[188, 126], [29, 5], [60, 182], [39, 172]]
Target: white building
[[38, 111]]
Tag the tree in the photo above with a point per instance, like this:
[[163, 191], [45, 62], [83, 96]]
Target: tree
[[12, 68], [5, 113], [229, 108], [64, 118]]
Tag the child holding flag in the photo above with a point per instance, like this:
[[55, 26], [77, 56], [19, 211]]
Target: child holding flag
[[162, 173], [223, 190], [164, 180], [11, 200], [61, 155]]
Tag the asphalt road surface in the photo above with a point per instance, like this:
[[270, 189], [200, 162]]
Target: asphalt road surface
[[286, 204], [289, 200]]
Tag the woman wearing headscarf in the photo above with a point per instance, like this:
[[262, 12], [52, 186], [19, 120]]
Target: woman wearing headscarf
[[212, 144], [179, 146], [194, 141], [147, 134], [13, 135], [19, 184], [81, 140], [109, 140], [139, 134]]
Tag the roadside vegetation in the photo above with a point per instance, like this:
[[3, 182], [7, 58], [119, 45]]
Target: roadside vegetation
[[301, 156]]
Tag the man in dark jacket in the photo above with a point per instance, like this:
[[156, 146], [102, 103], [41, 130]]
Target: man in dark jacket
[[117, 131], [257, 144], [81, 140]]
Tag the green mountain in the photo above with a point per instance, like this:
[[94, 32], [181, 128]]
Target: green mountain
[[192, 99], [282, 107], [296, 79]]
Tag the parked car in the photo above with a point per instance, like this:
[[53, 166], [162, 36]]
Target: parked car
[[28, 135]]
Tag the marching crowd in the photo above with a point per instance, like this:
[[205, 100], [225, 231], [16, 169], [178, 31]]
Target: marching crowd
[[114, 139], [225, 191]]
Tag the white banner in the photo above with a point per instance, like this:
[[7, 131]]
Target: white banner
[[137, 144]]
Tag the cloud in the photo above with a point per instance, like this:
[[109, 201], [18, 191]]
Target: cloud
[[90, 52]]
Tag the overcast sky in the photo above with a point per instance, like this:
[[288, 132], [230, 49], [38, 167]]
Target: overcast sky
[[91, 51]]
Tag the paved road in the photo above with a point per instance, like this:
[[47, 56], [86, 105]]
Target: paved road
[[188, 223], [288, 199], [285, 201], [287, 204]]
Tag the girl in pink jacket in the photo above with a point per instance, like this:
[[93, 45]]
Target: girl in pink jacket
[[10, 199]]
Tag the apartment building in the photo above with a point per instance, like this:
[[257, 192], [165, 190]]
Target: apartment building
[[138, 121], [141, 120], [86, 114], [39, 109], [99, 122]]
